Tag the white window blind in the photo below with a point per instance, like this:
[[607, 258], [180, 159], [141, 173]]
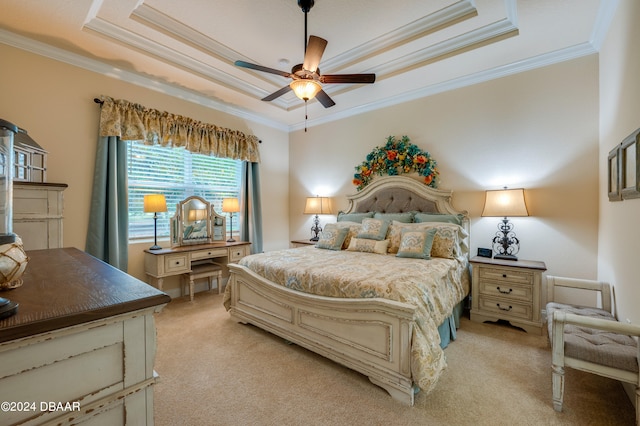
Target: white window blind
[[178, 174]]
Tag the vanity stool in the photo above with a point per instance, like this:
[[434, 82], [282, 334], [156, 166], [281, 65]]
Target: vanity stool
[[206, 270]]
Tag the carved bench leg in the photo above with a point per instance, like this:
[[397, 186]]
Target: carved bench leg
[[557, 380]]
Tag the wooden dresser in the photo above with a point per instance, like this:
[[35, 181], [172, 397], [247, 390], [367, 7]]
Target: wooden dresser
[[507, 290], [82, 345]]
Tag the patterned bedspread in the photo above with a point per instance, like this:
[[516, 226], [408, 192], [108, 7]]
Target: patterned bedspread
[[434, 286]]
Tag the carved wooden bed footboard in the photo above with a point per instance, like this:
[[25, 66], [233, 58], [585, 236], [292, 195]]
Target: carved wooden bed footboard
[[371, 336]]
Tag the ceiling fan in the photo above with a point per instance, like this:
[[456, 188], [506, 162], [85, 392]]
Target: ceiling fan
[[306, 77]]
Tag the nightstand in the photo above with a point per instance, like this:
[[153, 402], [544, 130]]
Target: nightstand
[[507, 290], [302, 243]]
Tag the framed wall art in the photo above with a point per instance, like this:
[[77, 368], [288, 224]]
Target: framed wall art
[[630, 166], [615, 177]]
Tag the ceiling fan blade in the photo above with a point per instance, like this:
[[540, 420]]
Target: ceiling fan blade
[[348, 78], [244, 64], [324, 99], [313, 54], [277, 94]]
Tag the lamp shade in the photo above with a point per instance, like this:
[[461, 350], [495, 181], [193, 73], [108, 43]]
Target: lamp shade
[[197, 214], [318, 205], [230, 205], [305, 89], [155, 203], [505, 203]]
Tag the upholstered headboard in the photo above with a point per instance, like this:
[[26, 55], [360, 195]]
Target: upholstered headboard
[[395, 200], [399, 194]]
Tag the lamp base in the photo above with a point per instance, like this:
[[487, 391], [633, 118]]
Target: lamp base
[[316, 238], [231, 240], [505, 257], [155, 247]]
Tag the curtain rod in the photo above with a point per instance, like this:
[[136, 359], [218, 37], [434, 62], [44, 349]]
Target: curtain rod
[[99, 101]]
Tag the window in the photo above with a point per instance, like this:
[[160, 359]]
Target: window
[[178, 174]]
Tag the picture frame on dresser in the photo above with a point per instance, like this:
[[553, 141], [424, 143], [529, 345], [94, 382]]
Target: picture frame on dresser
[[614, 166], [630, 166]]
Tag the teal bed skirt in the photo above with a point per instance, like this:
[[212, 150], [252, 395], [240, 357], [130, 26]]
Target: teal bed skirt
[[447, 329]]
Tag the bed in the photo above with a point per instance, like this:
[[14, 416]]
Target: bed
[[388, 324]]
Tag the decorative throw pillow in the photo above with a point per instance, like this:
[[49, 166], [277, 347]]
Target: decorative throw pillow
[[416, 243], [374, 229], [332, 238], [368, 246], [446, 242], [353, 217], [353, 227], [400, 217], [438, 217]]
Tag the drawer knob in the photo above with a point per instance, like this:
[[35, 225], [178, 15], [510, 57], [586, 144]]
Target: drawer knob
[[504, 309], [504, 291], [504, 275]]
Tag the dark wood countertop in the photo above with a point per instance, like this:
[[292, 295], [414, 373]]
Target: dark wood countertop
[[66, 287], [196, 247]]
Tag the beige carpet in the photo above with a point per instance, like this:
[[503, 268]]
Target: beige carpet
[[214, 371]]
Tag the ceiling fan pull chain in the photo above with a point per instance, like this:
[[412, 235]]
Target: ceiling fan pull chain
[[305, 116]]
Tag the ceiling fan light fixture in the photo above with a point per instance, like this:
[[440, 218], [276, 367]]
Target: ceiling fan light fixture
[[305, 89]]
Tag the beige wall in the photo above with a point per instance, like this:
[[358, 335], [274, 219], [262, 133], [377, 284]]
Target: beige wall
[[537, 130], [53, 101], [619, 233]]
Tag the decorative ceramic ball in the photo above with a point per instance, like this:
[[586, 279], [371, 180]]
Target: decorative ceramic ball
[[13, 262]]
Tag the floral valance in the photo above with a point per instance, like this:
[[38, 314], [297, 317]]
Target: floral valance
[[394, 158], [131, 121]]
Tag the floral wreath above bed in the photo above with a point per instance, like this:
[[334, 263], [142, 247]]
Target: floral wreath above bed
[[395, 158]]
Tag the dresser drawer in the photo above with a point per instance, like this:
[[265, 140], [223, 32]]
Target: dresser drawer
[[506, 290], [505, 308], [237, 253], [208, 254], [508, 275], [176, 263]]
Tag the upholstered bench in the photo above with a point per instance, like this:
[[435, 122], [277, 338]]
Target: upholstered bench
[[206, 270], [590, 339]]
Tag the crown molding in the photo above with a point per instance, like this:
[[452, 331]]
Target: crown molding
[[606, 13], [528, 64], [48, 51]]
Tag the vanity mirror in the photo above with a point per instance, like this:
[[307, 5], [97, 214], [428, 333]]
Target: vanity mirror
[[196, 222]]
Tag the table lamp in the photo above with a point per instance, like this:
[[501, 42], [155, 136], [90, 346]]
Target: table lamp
[[504, 203], [317, 205], [155, 203], [231, 206]]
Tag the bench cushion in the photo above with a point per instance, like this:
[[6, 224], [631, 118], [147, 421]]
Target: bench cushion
[[597, 346]]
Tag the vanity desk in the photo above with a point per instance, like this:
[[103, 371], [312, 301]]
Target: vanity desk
[[167, 262], [198, 237]]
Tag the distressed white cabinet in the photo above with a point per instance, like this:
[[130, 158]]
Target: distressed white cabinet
[[81, 348], [38, 214]]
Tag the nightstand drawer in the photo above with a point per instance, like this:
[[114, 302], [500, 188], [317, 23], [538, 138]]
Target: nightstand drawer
[[510, 275], [506, 290], [176, 263], [209, 254], [505, 308]]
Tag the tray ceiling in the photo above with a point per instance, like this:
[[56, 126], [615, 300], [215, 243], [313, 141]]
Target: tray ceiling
[[415, 47]]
